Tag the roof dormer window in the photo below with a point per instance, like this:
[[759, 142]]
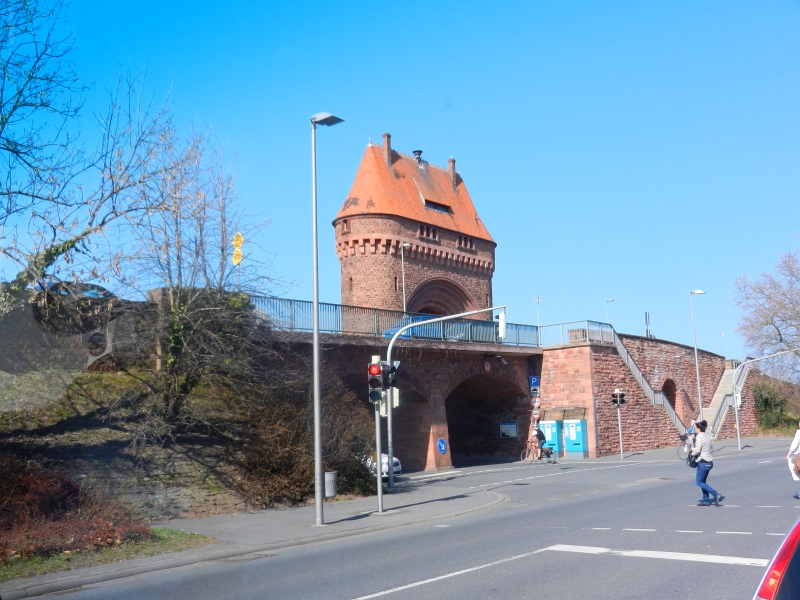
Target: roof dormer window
[[430, 205]]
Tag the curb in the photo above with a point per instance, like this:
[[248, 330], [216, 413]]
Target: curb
[[63, 582]]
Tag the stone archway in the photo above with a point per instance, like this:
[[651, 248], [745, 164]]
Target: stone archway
[[439, 296], [475, 410]]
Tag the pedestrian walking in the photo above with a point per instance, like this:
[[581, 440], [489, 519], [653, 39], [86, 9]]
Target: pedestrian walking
[[791, 457], [702, 450]]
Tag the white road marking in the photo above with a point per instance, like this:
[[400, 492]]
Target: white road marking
[[764, 461], [709, 558], [441, 525], [601, 528], [687, 531], [780, 534], [629, 529], [736, 532], [768, 507], [448, 575], [438, 474]]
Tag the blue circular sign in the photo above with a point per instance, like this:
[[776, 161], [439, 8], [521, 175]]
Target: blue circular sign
[[442, 445]]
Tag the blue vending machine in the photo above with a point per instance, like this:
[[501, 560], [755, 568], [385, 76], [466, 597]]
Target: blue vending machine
[[552, 431], [576, 442]]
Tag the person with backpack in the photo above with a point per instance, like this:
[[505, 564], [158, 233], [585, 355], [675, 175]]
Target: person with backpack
[[702, 450], [792, 456]]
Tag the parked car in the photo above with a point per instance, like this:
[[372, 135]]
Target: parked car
[[398, 469], [782, 578]]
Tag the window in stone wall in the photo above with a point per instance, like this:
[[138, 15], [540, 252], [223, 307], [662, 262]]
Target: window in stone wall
[[344, 226], [396, 284]]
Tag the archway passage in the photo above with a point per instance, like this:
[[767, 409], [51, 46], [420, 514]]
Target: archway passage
[[670, 391], [475, 411], [440, 296]]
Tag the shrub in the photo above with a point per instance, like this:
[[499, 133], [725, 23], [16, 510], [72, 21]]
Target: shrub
[[771, 405], [43, 512]]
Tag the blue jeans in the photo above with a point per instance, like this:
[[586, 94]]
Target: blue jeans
[[700, 479]]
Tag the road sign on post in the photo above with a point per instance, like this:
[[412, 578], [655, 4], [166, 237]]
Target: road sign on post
[[535, 415]]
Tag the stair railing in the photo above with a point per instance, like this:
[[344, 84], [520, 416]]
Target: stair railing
[[727, 401]]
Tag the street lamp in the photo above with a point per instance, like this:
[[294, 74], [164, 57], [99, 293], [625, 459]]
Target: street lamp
[[403, 248], [319, 482], [607, 317], [692, 294]]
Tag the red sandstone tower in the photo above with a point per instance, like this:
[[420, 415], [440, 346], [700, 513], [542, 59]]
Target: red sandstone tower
[[398, 199]]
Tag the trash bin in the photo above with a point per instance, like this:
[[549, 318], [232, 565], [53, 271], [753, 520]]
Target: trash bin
[[331, 483]]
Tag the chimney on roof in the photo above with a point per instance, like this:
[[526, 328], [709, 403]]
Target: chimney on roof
[[451, 168], [387, 148], [418, 155]]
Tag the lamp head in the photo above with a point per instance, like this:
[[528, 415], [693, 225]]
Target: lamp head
[[697, 292], [406, 245], [324, 118]]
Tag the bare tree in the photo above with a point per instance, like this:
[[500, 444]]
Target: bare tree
[[771, 319], [61, 239], [40, 95]]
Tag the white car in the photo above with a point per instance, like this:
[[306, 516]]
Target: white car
[[398, 469]]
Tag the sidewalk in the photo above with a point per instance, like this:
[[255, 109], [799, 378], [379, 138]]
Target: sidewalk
[[266, 530]]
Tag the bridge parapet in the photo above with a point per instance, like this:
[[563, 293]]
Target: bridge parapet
[[338, 319]]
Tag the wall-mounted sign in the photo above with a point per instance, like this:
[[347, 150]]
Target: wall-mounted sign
[[508, 429], [535, 402], [441, 445]]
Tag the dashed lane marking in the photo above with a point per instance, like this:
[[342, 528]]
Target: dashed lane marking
[[632, 529], [735, 532], [687, 531], [438, 474], [601, 528], [780, 534], [761, 462], [769, 507]]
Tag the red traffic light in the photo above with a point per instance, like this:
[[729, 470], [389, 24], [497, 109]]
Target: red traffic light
[[374, 369]]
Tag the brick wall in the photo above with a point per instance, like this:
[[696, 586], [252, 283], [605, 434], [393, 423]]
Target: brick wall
[[644, 425], [369, 253], [660, 361]]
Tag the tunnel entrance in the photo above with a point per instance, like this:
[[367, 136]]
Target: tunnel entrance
[[476, 408]]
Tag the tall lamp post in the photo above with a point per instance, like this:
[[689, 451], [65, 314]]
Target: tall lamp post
[[403, 248], [319, 476], [608, 319], [692, 294]]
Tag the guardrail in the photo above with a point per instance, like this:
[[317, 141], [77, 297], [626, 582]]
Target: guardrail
[[576, 331], [297, 315]]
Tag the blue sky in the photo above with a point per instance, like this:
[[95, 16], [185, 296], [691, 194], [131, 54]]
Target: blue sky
[[625, 150]]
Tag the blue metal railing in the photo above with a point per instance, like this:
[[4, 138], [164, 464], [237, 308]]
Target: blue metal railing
[[296, 315]]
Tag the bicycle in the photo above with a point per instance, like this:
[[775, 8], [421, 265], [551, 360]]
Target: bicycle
[[529, 454], [685, 447]]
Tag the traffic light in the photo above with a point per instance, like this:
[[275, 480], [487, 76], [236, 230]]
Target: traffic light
[[375, 379], [618, 397], [389, 374]]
